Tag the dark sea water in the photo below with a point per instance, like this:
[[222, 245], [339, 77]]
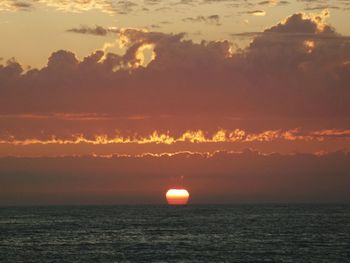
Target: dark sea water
[[238, 233]]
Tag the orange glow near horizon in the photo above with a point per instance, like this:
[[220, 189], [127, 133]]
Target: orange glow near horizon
[[189, 136], [177, 196]]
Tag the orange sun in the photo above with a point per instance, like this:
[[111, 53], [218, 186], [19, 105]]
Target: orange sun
[[177, 196]]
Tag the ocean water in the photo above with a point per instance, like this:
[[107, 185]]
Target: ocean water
[[215, 233]]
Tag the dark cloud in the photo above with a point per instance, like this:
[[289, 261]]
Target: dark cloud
[[97, 30], [211, 20], [220, 178], [22, 5], [301, 77]]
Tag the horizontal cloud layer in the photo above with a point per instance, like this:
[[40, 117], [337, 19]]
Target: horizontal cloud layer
[[198, 136], [126, 6], [289, 141]]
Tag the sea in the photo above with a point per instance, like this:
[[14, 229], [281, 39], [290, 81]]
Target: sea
[[160, 233]]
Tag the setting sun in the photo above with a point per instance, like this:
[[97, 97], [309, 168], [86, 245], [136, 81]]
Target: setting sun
[[177, 196]]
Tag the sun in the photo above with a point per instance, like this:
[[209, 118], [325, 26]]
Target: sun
[[177, 196]]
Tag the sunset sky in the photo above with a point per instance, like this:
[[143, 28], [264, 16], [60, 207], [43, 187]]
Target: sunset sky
[[106, 101]]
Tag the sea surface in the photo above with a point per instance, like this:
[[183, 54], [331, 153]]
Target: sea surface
[[194, 233]]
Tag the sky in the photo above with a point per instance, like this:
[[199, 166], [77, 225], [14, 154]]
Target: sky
[[114, 102]]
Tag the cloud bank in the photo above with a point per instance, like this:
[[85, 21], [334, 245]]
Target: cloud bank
[[292, 75]]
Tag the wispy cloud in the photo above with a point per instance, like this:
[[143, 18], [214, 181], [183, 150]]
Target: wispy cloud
[[106, 6], [97, 30], [211, 20], [255, 12], [14, 5], [273, 2]]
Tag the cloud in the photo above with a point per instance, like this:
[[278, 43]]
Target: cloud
[[211, 20], [22, 5], [97, 30], [106, 6], [113, 7], [189, 136], [255, 13], [58, 142], [321, 7], [246, 176], [298, 28], [81, 6], [152, 2], [273, 2], [293, 74], [14, 5]]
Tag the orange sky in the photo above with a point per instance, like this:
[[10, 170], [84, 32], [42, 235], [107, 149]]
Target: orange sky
[[248, 102], [219, 178]]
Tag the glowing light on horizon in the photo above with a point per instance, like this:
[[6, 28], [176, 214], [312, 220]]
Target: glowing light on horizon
[[195, 137]]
